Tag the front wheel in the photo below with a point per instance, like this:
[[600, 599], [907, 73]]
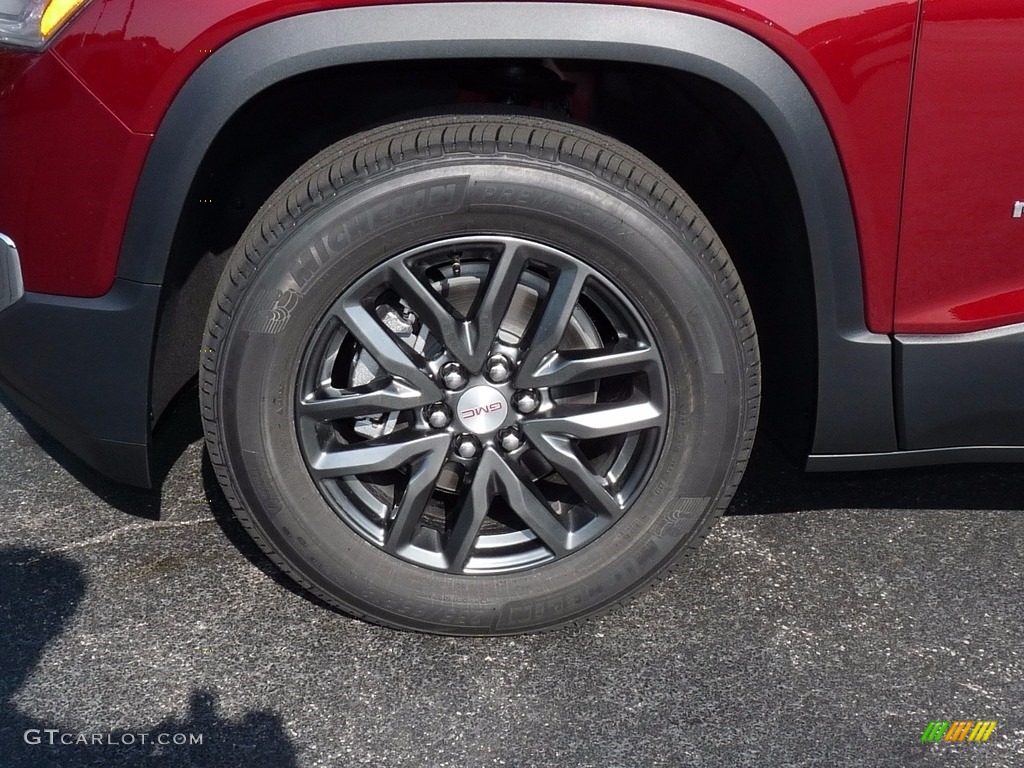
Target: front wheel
[[479, 375]]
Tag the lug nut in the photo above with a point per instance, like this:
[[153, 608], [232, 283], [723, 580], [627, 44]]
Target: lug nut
[[438, 415], [510, 439], [466, 446], [454, 376], [498, 368], [526, 401]]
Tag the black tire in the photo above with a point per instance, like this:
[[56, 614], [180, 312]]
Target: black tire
[[657, 276]]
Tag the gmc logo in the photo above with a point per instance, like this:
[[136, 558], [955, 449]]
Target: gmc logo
[[470, 413]]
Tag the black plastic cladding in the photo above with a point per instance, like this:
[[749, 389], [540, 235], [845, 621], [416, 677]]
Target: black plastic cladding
[[855, 412], [80, 368], [961, 388], [855, 404]]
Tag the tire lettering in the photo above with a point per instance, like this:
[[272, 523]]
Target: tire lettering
[[367, 221], [488, 193], [305, 269]]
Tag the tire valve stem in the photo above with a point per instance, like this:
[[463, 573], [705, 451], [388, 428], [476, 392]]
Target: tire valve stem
[[457, 265]]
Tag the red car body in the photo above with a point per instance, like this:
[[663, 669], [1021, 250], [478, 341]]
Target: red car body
[[920, 99]]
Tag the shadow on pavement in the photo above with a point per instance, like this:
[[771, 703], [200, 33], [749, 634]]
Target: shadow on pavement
[[774, 483], [137, 502], [39, 597], [178, 428]]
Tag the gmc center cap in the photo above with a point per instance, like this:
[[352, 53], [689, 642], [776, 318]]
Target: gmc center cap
[[482, 409]]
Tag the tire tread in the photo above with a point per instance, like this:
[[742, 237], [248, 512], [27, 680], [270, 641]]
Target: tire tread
[[382, 150]]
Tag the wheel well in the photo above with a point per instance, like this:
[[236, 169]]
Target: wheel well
[[711, 142]]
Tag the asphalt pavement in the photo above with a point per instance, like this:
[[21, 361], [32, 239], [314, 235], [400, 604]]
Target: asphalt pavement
[[826, 621]]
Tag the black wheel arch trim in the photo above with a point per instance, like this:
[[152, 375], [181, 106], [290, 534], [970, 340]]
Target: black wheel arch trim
[[855, 387], [855, 397]]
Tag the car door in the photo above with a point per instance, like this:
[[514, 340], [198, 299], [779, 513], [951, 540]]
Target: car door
[[960, 265], [960, 282]]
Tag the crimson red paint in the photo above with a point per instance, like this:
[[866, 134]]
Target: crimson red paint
[[855, 56], [126, 61], [960, 261], [69, 169]]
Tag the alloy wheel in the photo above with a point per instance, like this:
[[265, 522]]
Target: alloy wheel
[[481, 404]]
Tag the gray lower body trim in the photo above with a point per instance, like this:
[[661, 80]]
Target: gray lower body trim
[[80, 368], [974, 454], [961, 389], [11, 286]]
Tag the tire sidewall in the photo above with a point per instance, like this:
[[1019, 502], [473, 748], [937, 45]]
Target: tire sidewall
[[637, 247]]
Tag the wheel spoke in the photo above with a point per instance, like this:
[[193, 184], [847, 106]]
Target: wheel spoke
[[522, 496], [554, 319], [388, 352], [586, 365], [472, 511], [586, 422], [553, 437], [494, 477], [458, 336], [394, 395], [378, 455], [422, 477], [501, 287], [562, 456]]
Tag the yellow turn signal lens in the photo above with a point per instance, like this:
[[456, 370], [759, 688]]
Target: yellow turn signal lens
[[56, 13]]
